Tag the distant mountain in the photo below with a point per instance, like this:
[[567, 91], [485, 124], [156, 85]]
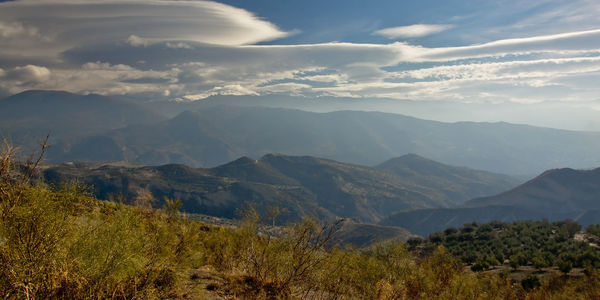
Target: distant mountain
[[97, 128], [541, 115], [29, 116], [459, 182], [62, 113], [554, 195], [302, 185], [216, 135]]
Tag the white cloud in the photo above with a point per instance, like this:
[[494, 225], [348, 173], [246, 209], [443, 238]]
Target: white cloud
[[574, 42], [412, 31], [28, 73], [543, 68], [17, 29], [67, 24], [93, 77], [178, 45], [136, 41]]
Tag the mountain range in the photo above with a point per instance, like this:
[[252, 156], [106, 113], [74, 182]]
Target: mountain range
[[97, 128], [202, 154], [300, 185]]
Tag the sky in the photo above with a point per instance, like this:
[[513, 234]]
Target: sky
[[535, 54]]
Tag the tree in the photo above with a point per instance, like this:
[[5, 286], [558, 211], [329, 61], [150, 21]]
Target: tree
[[517, 260], [594, 229], [414, 241], [481, 264], [538, 262], [565, 266]]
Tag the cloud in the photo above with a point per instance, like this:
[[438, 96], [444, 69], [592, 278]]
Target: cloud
[[27, 74], [412, 31], [67, 24], [194, 49], [17, 29], [136, 41], [92, 77], [574, 42]]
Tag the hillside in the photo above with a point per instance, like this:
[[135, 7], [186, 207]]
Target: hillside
[[364, 235], [302, 185], [522, 243], [554, 190], [554, 195], [98, 249], [462, 183]]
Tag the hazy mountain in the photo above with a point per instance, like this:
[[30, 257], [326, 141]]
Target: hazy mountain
[[553, 115], [555, 195], [216, 135], [97, 128], [302, 185], [27, 117], [462, 183], [62, 113]]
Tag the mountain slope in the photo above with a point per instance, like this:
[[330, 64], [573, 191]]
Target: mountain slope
[[555, 195], [554, 190], [303, 185], [462, 183]]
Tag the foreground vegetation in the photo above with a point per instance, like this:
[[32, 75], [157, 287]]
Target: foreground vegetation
[[58, 242]]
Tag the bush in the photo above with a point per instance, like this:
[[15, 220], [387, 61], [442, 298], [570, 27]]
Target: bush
[[530, 282]]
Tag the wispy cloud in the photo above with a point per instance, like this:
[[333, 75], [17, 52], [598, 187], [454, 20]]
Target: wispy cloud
[[412, 31], [574, 42]]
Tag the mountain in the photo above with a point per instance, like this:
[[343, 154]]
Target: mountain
[[216, 135], [29, 116], [554, 190], [536, 114], [98, 128], [554, 195], [302, 185], [62, 113], [460, 182]]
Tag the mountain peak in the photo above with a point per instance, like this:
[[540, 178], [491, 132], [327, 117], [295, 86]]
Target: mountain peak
[[411, 161], [562, 189], [242, 161], [410, 157]]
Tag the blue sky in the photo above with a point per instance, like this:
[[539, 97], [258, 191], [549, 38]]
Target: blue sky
[[535, 53]]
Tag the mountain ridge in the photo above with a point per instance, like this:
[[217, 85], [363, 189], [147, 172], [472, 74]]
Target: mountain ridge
[[217, 134], [555, 195], [301, 184]]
